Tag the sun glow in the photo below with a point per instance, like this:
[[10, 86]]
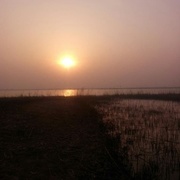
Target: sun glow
[[67, 61]]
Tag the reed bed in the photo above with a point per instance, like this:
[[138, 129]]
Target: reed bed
[[148, 134]]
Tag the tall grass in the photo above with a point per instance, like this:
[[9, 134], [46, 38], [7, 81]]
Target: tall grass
[[148, 133]]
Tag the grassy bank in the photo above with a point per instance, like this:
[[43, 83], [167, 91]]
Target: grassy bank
[[61, 138]]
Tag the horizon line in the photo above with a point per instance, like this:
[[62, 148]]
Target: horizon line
[[38, 89]]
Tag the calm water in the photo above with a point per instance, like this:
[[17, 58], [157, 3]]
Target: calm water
[[76, 92]]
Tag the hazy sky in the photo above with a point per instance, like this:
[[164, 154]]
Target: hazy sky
[[116, 43]]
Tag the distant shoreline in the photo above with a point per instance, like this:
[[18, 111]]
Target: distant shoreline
[[163, 97]]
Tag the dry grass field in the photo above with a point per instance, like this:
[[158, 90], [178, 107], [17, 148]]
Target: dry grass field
[[69, 137]]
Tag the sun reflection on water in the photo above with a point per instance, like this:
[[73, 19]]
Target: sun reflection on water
[[69, 92]]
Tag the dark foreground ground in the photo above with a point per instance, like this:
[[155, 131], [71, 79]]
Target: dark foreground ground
[[54, 138], [59, 138]]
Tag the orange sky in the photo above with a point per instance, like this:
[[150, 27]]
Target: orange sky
[[116, 43]]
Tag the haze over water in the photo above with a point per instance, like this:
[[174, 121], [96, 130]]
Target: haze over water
[[114, 43]]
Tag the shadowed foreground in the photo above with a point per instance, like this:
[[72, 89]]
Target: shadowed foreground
[[53, 138]]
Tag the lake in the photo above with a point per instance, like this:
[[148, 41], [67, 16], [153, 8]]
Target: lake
[[82, 91]]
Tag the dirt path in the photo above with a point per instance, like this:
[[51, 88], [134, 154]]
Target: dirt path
[[52, 138]]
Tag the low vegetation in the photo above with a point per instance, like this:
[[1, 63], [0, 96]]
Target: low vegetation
[[147, 134], [90, 137]]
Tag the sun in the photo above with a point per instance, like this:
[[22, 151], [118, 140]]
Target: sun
[[67, 61]]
